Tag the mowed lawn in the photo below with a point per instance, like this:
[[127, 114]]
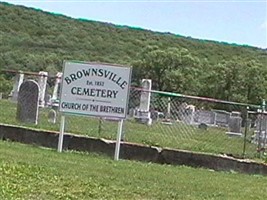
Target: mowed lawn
[[29, 172], [178, 135]]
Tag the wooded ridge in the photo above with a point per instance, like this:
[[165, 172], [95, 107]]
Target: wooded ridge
[[34, 40]]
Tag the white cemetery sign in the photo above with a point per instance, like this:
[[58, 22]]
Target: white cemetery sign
[[95, 89]]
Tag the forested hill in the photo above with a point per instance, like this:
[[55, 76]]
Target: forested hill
[[34, 40]]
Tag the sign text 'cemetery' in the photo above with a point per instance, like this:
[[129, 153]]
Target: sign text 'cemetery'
[[95, 89]]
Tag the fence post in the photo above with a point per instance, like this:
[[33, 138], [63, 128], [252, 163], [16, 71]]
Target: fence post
[[245, 134], [262, 111], [99, 126], [261, 140]]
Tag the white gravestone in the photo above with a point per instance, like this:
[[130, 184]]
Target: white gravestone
[[167, 119], [187, 113], [52, 116], [181, 111], [42, 80], [47, 99], [168, 114], [18, 81], [144, 113], [57, 86], [145, 95], [190, 112]]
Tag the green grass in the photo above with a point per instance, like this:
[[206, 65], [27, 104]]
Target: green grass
[[29, 172], [178, 135]]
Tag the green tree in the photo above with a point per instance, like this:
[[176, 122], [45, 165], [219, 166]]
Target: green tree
[[172, 69], [254, 81], [185, 77], [5, 86], [228, 79]]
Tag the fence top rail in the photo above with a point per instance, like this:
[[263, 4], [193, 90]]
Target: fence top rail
[[10, 71], [172, 94]]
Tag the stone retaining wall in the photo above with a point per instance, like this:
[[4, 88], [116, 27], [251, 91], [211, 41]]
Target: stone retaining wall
[[131, 151]]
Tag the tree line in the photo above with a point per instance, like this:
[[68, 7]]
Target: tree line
[[33, 40], [177, 70]]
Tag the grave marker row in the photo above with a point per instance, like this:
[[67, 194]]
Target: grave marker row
[[44, 98]]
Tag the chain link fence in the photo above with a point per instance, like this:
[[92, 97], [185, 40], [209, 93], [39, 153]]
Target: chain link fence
[[197, 124], [162, 119]]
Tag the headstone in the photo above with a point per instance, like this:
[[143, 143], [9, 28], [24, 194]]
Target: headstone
[[203, 126], [18, 81], [190, 112], [249, 123], [145, 95], [42, 80], [168, 114], [235, 114], [47, 100], [204, 116], [222, 118], [143, 111], [154, 115], [27, 106], [235, 124], [262, 123], [1, 95], [167, 119], [260, 137], [187, 113], [57, 86], [131, 112], [182, 111], [52, 116]]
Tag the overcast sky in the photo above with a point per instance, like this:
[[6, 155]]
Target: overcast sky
[[240, 22]]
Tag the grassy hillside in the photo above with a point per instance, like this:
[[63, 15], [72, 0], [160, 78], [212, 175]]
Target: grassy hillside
[[34, 173], [33, 40]]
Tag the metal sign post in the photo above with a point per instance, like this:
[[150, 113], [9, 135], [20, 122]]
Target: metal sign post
[[118, 141], [61, 134]]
